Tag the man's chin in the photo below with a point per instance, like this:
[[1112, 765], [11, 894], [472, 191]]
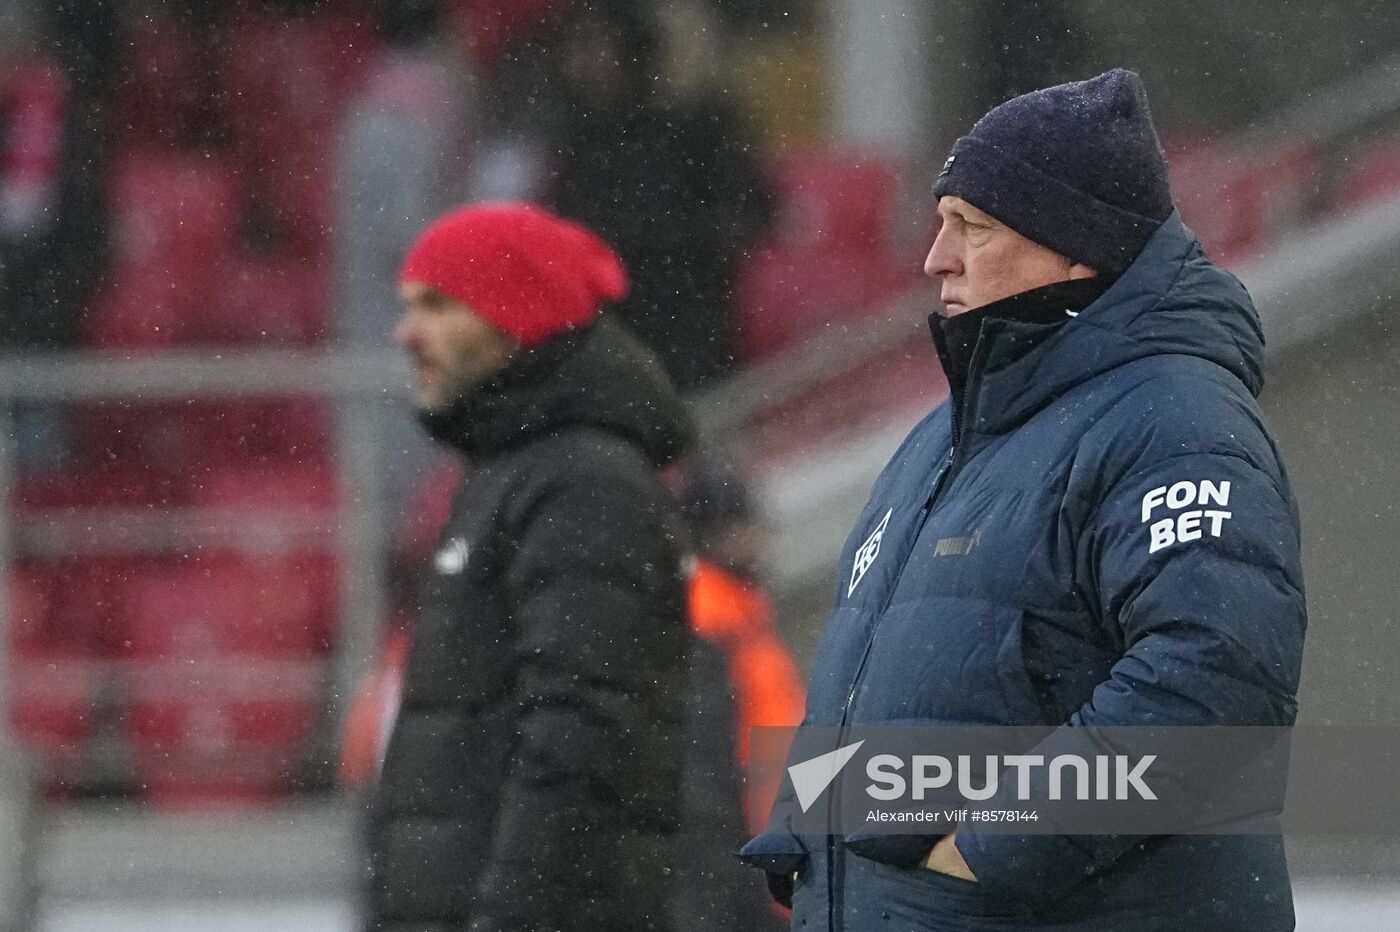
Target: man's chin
[[440, 400], [429, 398], [430, 405], [440, 396]]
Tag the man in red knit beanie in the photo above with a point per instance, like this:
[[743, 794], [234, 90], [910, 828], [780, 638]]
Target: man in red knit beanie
[[513, 275], [531, 778]]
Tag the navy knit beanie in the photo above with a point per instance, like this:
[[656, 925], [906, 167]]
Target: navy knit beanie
[[1077, 168]]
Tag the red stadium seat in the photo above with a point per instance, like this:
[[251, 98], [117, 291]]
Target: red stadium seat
[[226, 658], [231, 606], [1374, 174], [171, 449], [140, 308], [265, 301], [85, 488], [835, 198], [29, 609], [53, 697], [73, 606], [287, 83], [1237, 205], [785, 297], [63, 633], [207, 452], [174, 216], [150, 440], [268, 431], [830, 259], [210, 732], [169, 206], [53, 675], [285, 489], [896, 386]]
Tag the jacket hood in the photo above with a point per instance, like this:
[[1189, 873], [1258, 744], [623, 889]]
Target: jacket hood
[[1171, 300], [598, 376]]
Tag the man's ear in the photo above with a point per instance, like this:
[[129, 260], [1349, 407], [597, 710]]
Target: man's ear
[[1079, 270]]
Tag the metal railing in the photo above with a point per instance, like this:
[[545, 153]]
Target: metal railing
[[354, 384]]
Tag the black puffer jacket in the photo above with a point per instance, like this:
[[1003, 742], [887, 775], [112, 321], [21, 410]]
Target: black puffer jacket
[[531, 780]]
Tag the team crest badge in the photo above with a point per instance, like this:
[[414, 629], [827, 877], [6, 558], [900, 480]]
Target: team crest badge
[[867, 553]]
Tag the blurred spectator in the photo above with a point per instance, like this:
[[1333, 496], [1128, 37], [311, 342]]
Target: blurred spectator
[[402, 159], [369, 719], [520, 108], [34, 99], [287, 80], [32, 95], [55, 70], [86, 41], [743, 677], [670, 180], [531, 777]]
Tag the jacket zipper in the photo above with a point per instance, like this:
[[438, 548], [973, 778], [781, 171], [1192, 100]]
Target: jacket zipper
[[940, 481]]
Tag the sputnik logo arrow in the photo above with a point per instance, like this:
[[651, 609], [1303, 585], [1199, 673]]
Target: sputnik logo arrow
[[811, 777]]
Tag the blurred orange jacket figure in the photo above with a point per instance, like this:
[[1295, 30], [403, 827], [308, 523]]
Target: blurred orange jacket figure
[[370, 717], [735, 615]]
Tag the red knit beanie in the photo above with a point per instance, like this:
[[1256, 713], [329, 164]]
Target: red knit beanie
[[528, 272]]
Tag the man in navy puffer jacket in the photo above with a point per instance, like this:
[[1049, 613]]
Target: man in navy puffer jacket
[[1094, 530]]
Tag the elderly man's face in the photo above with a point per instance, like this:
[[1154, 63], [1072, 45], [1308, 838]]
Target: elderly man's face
[[980, 260], [453, 350]]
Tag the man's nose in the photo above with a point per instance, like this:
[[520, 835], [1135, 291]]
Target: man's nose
[[941, 260], [403, 331]]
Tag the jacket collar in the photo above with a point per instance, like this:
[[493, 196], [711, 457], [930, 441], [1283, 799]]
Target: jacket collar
[[598, 376], [956, 337]]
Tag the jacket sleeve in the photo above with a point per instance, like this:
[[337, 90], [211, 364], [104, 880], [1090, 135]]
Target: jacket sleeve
[[597, 609], [1193, 562]]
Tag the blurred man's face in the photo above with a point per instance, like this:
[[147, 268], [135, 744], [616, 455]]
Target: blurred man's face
[[453, 350], [980, 260]]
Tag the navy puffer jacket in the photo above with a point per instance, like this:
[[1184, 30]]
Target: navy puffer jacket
[[1046, 558]]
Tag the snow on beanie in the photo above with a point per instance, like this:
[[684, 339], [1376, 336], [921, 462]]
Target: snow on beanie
[[1077, 168], [528, 272]]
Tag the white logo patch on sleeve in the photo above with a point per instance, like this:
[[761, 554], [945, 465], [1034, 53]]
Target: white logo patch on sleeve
[[867, 553], [1193, 510], [452, 558]]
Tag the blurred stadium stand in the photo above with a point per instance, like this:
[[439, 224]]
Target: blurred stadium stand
[[193, 597]]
